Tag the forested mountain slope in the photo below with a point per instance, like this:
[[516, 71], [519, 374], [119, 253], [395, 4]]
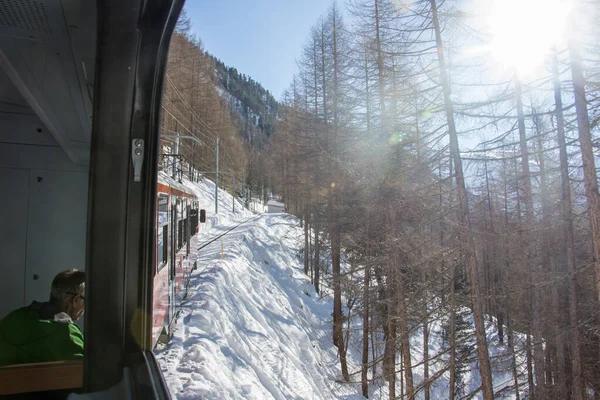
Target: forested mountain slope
[[205, 99]]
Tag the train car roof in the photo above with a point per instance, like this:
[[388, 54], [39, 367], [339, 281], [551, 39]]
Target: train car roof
[[165, 179]]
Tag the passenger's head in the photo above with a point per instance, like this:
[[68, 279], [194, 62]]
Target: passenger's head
[[68, 292]]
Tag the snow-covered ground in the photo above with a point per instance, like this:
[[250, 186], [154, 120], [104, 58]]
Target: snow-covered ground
[[252, 326]]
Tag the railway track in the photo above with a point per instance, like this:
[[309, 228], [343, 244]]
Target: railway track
[[227, 231]]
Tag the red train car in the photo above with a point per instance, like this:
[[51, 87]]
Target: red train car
[[176, 252]]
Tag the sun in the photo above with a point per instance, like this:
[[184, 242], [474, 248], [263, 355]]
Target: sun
[[524, 31]]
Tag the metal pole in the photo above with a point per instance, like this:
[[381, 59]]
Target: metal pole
[[175, 157], [217, 182], [233, 191], [192, 163]]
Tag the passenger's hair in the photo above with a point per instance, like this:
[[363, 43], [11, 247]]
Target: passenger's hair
[[66, 284]]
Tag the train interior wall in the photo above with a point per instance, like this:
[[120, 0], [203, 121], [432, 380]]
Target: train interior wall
[[43, 212], [47, 67]]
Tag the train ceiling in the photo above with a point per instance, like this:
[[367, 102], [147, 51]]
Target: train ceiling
[[47, 51]]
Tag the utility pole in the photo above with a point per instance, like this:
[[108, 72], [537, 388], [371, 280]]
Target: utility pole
[[262, 190], [217, 181], [242, 184]]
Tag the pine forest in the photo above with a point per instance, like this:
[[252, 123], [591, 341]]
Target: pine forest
[[443, 189]]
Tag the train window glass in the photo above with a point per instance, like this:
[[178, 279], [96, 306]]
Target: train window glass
[[186, 224], [164, 250], [160, 245], [179, 234], [184, 218], [194, 221], [162, 231], [185, 230], [44, 214], [173, 239]]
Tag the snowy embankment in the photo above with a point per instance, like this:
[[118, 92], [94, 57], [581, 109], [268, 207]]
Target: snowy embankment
[[252, 326]]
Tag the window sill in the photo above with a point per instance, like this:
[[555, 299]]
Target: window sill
[[24, 378]]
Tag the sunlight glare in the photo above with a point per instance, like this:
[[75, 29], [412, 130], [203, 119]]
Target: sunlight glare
[[523, 31]]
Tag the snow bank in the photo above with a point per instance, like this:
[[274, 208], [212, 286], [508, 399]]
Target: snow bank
[[252, 326]]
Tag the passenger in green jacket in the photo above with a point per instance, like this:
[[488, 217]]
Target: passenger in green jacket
[[43, 332]]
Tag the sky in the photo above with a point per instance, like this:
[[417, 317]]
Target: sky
[[262, 39]]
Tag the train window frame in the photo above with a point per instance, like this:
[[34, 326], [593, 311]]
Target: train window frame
[[128, 44], [121, 252]]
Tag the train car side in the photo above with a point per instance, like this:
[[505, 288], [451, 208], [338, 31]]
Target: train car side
[[176, 254]]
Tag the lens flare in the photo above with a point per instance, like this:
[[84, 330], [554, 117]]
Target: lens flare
[[523, 31]]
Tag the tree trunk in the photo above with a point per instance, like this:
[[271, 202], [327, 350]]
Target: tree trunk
[[506, 306], [464, 228], [380, 78], [311, 248], [492, 269], [401, 375], [404, 339], [549, 364], [373, 347], [587, 155], [548, 260], [317, 260], [365, 338], [528, 355], [306, 234], [534, 295], [513, 356], [389, 355], [569, 241], [452, 361], [334, 234], [426, 354]]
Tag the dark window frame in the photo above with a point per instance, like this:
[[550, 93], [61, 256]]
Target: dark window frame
[[121, 252]]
